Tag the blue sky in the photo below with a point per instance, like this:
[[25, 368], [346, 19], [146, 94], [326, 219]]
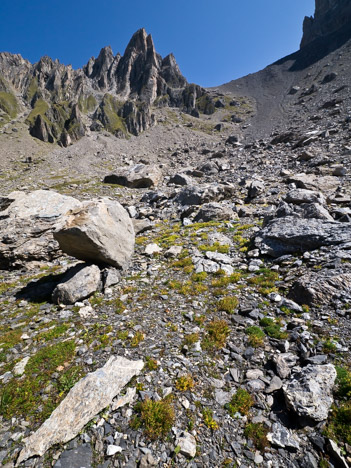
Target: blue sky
[[213, 41]]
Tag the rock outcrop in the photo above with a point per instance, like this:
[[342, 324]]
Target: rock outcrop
[[139, 176], [309, 391], [330, 17]]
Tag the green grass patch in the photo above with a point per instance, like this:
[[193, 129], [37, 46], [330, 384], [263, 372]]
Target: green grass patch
[[265, 280], [207, 416], [40, 108], [215, 247], [228, 304], [23, 397], [8, 103], [273, 329]]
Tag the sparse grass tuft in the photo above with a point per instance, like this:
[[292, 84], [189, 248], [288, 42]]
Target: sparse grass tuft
[[265, 280], [137, 339], [208, 419], [228, 304], [151, 364], [272, 329]]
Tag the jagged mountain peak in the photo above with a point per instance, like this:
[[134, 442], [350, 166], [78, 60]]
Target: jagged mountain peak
[[113, 92]]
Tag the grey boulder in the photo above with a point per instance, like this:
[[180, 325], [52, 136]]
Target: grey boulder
[[79, 283], [313, 182], [309, 391], [181, 179], [215, 212], [318, 290], [298, 196], [196, 195], [282, 437], [100, 232], [138, 176], [284, 362]]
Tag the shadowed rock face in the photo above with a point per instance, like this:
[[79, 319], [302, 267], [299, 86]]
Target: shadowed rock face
[[114, 92], [330, 17]]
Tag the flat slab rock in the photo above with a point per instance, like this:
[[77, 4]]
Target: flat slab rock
[[289, 235], [85, 400], [309, 391]]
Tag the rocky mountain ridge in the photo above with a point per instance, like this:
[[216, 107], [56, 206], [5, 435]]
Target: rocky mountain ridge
[[111, 92]]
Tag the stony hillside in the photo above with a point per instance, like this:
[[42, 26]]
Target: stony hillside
[[182, 297]]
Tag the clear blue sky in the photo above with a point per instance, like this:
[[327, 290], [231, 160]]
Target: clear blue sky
[[214, 41]]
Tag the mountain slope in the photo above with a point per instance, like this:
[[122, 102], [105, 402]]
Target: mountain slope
[[290, 90]]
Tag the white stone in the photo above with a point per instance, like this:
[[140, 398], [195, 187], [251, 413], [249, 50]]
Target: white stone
[[21, 366], [99, 232], [187, 445], [112, 450], [152, 249]]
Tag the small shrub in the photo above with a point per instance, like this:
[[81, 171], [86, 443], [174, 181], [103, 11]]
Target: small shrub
[[185, 383], [339, 426], [228, 304], [329, 346], [156, 417], [257, 432], [151, 364], [199, 277], [217, 334], [137, 339], [191, 339], [256, 336], [209, 422], [343, 382], [215, 247], [265, 280], [241, 402], [272, 329]]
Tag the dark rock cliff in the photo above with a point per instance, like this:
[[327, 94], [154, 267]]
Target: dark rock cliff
[[331, 16]]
